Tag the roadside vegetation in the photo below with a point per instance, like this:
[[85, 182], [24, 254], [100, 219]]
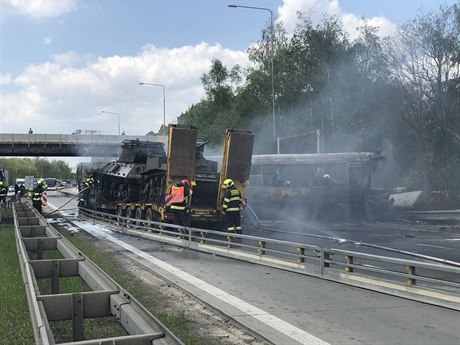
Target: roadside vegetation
[[38, 167], [399, 94], [15, 324]]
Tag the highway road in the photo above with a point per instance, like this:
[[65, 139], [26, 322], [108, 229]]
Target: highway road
[[288, 308], [440, 241]]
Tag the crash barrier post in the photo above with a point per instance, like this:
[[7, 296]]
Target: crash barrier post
[[261, 250], [301, 258]]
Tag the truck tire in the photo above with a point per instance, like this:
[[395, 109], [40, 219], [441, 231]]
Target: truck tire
[[120, 215], [139, 215]]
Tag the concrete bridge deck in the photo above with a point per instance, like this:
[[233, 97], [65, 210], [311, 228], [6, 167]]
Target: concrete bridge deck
[[65, 145]]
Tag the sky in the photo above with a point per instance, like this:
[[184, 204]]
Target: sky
[[64, 62]]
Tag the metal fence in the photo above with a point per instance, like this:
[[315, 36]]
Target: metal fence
[[34, 237], [420, 280]]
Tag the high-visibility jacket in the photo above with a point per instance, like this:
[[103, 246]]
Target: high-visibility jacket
[[177, 195], [232, 200], [37, 193], [180, 196]]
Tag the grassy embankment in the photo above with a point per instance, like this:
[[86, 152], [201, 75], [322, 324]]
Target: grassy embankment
[[15, 324]]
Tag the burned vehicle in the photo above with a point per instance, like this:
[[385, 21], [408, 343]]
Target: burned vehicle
[[327, 187]]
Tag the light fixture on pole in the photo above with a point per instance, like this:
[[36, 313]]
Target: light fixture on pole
[[164, 103], [271, 54], [110, 112]]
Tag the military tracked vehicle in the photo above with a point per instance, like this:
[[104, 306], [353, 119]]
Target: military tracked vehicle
[[136, 184]]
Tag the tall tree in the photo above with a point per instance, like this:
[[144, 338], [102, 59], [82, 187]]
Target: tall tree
[[424, 60], [214, 113]]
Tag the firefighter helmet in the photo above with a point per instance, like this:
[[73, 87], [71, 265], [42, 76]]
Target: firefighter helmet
[[326, 176], [39, 182], [1, 183], [186, 183], [228, 182]]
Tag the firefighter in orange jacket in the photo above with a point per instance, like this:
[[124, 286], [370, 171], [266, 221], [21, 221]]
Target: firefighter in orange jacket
[[231, 207], [180, 195]]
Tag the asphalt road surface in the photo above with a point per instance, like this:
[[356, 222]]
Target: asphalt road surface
[[289, 308]]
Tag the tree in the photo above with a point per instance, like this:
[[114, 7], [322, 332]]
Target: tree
[[38, 167], [426, 68], [214, 114]]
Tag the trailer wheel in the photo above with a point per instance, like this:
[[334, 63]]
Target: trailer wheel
[[139, 215], [129, 214], [152, 216], [120, 215]]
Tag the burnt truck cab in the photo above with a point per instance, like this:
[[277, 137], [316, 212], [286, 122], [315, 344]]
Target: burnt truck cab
[[329, 187]]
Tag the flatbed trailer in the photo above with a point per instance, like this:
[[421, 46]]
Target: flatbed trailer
[[185, 160]]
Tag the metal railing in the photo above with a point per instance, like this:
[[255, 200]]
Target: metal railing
[[420, 280], [46, 138], [34, 236]]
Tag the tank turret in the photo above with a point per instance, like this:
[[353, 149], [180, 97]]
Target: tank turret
[[125, 179]]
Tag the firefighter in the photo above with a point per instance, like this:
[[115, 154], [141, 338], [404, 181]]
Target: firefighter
[[180, 197], [231, 207], [327, 181], [85, 192], [22, 191], [89, 181], [3, 193], [37, 195], [16, 191]]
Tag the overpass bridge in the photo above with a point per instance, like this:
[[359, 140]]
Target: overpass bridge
[[65, 145]]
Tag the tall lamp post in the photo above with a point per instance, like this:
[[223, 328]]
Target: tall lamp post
[[110, 112], [164, 103], [271, 54]]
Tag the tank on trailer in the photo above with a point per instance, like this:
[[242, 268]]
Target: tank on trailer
[[135, 185]]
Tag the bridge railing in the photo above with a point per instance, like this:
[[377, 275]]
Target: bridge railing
[[43, 138]]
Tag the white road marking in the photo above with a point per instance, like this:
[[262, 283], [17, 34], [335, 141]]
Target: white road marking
[[51, 206], [276, 323], [430, 245]]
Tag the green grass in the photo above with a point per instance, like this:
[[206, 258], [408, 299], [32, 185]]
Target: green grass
[[15, 323]]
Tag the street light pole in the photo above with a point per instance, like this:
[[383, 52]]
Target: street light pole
[[164, 103], [272, 57], [110, 112]]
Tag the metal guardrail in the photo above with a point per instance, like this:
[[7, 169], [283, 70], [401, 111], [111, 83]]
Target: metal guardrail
[[106, 298], [452, 216], [420, 280]]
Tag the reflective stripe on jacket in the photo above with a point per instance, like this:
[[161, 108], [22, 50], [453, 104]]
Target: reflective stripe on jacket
[[232, 200], [181, 205], [177, 195], [37, 192], [36, 196]]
